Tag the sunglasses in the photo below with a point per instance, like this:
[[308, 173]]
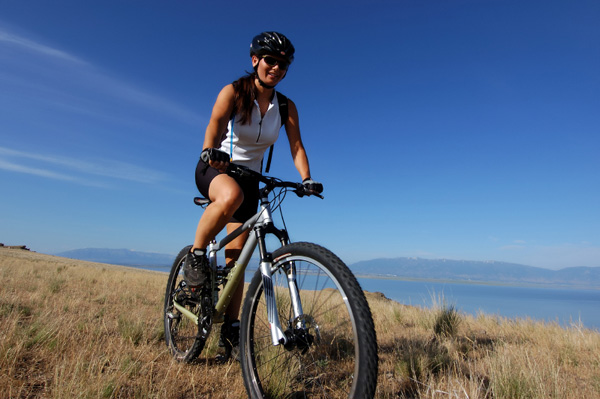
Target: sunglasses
[[272, 61]]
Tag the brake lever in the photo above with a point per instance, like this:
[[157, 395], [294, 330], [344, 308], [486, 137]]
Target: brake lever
[[237, 171]]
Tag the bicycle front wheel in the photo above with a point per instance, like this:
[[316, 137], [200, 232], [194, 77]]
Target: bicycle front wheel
[[333, 354]]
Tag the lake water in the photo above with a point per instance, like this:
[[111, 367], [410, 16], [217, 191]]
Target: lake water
[[564, 306], [549, 304]]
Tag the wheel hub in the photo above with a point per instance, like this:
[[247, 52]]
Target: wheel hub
[[298, 338]]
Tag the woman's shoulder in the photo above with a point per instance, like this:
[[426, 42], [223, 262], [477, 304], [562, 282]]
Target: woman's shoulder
[[227, 93], [228, 88]]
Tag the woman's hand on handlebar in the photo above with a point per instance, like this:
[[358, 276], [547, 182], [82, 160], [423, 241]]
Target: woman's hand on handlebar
[[312, 187], [216, 158], [307, 187]]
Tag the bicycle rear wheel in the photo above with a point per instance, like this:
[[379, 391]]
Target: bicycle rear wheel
[[181, 334], [334, 356]]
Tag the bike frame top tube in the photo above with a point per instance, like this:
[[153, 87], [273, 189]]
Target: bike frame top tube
[[250, 223], [262, 217], [260, 223], [237, 272]]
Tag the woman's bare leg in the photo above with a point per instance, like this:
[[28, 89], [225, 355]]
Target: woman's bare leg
[[232, 253], [226, 197]]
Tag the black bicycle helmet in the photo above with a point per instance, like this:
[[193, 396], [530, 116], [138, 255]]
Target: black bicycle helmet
[[272, 43]]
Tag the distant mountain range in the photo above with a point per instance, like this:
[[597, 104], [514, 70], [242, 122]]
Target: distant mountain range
[[407, 268], [123, 257], [479, 271]]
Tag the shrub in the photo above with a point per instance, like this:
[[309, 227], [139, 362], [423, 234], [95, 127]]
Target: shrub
[[446, 322]]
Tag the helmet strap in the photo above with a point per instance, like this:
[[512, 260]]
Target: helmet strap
[[263, 84]]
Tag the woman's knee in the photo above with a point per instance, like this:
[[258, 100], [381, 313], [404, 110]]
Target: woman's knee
[[233, 199], [227, 193]]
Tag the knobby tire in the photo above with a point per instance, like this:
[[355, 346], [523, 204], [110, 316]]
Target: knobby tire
[[336, 354]]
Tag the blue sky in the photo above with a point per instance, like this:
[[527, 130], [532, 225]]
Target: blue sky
[[441, 129]]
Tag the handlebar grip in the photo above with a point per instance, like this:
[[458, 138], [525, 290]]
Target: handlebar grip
[[313, 187], [302, 190]]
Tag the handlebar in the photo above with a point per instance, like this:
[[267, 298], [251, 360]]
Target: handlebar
[[271, 183]]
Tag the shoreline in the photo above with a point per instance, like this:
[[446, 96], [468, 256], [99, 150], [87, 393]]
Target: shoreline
[[477, 282]]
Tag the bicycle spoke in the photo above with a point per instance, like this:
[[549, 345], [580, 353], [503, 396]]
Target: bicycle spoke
[[318, 361]]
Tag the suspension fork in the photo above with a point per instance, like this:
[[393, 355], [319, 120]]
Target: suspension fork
[[295, 295], [278, 337], [290, 272]]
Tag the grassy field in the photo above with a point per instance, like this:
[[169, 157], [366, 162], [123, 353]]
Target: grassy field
[[73, 329]]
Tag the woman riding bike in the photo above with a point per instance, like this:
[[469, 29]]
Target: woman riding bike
[[245, 121]]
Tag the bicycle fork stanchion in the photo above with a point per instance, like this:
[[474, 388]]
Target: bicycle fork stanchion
[[277, 335], [266, 267], [295, 295]]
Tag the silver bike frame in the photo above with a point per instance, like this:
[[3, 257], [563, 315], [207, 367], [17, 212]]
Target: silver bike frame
[[258, 223]]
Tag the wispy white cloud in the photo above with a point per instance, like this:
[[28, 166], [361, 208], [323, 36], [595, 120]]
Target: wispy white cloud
[[72, 73], [13, 167], [24, 43], [125, 91], [48, 174], [512, 247], [71, 169]]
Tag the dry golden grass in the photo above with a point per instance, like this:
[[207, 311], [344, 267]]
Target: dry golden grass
[[485, 357], [72, 329]]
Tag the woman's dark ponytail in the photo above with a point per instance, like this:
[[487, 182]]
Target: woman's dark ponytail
[[244, 97]]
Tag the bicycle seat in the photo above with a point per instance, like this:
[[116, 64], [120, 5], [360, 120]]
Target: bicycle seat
[[201, 201]]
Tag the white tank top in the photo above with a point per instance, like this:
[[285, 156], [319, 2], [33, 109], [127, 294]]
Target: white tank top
[[248, 143]]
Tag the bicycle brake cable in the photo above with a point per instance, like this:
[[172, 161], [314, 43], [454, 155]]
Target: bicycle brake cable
[[278, 199], [282, 194]]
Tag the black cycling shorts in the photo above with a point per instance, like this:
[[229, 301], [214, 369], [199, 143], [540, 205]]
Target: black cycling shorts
[[249, 207]]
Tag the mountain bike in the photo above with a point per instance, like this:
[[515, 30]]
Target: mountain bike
[[306, 328]]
